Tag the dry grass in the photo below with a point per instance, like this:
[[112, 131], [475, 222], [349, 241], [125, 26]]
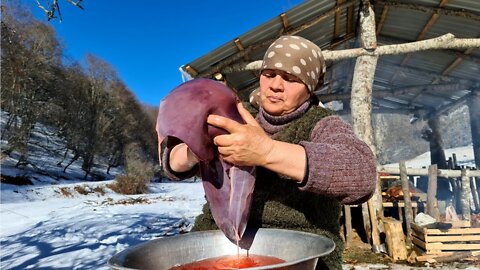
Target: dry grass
[[65, 192]]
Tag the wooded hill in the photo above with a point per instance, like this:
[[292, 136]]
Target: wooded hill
[[89, 106]]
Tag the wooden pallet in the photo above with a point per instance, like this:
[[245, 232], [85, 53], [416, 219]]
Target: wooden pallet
[[445, 242]]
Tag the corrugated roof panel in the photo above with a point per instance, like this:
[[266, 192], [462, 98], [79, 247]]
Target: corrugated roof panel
[[308, 11], [409, 29], [432, 61], [467, 69], [473, 5], [455, 25]]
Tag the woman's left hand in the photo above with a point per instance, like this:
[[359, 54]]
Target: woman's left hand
[[246, 144]]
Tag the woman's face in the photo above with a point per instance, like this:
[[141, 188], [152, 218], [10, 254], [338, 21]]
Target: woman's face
[[280, 92]]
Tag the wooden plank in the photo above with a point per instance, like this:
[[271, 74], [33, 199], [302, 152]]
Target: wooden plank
[[461, 231], [424, 172], [420, 236], [418, 229], [398, 204], [453, 238], [442, 246], [418, 242], [424, 258]]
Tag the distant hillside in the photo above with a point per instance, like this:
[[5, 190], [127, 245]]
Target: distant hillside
[[398, 139]]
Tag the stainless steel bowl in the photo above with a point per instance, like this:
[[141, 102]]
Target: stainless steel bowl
[[300, 250]]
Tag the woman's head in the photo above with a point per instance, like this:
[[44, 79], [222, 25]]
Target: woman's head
[[291, 70]]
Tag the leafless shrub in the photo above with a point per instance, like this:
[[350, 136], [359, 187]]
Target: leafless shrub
[[139, 172]]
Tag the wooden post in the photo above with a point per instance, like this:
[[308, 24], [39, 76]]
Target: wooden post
[[473, 186], [366, 221], [348, 226], [466, 192], [432, 203], [376, 244], [474, 112], [407, 200], [395, 239]]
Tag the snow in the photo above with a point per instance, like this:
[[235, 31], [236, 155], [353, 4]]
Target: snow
[[463, 154], [41, 228]]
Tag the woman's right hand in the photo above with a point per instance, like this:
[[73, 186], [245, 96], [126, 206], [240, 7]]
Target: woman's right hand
[[182, 159]]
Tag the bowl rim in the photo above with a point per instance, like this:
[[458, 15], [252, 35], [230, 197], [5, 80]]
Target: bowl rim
[[112, 262]]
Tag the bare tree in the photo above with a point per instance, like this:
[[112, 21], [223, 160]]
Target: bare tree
[[30, 55], [53, 8]]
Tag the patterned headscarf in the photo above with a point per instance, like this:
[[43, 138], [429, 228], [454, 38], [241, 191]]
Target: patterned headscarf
[[297, 56]]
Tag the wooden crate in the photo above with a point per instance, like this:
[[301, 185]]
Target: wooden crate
[[444, 242]]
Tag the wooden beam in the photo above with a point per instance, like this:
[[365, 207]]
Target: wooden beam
[[447, 70], [421, 36], [445, 109], [382, 20], [456, 62], [338, 14], [407, 201], [239, 45], [474, 113], [424, 172], [350, 20], [284, 19], [322, 17], [191, 71]]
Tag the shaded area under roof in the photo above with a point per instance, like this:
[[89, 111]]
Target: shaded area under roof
[[423, 83]]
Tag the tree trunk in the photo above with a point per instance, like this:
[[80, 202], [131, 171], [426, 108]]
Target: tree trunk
[[361, 101], [437, 155]]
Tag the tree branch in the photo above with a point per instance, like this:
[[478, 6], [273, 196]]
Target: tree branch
[[447, 41]]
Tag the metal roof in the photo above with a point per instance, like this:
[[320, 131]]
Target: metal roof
[[433, 81]]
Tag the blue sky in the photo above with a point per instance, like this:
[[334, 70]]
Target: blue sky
[[147, 41]]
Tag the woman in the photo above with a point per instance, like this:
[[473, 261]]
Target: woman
[[309, 161]]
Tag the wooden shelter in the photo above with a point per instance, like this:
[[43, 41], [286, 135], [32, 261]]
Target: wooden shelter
[[415, 57]]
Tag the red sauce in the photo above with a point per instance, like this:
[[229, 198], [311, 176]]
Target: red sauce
[[230, 262]]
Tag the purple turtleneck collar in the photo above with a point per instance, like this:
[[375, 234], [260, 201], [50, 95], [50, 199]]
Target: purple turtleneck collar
[[273, 124]]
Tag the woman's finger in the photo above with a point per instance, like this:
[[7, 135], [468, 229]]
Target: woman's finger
[[222, 140], [246, 115], [224, 123]]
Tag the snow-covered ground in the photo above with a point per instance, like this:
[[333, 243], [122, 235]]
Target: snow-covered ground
[[43, 228]]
